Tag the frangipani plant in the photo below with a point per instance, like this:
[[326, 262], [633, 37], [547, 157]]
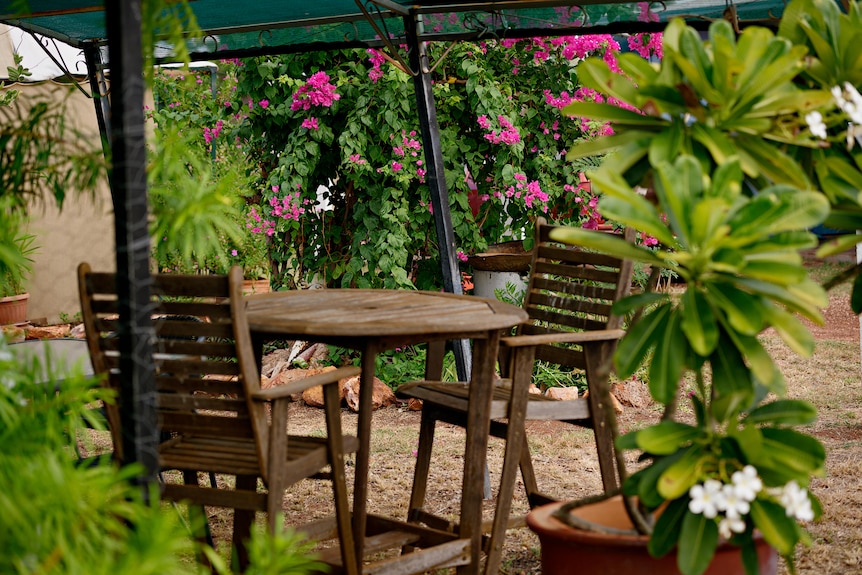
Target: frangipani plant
[[739, 466]]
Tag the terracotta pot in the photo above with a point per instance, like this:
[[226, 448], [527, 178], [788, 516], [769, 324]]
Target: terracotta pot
[[13, 309], [570, 551]]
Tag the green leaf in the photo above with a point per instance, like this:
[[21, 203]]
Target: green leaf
[[682, 474], [666, 437], [792, 331], [794, 451], [631, 303], [634, 346], [783, 412], [698, 322], [779, 530], [741, 308], [647, 485], [668, 362], [697, 542], [668, 528]]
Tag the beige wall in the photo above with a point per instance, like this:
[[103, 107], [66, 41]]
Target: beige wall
[[82, 231]]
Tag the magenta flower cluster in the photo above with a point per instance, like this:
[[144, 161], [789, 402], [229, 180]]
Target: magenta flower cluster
[[211, 134], [288, 207], [377, 60], [508, 134], [316, 92], [529, 192]]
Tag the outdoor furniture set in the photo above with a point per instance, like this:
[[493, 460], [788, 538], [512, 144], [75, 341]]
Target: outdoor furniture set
[[214, 417]]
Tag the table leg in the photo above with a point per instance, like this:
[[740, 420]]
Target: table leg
[[363, 456], [475, 453]]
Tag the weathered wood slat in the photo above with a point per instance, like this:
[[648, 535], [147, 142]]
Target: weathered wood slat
[[591, 291], [568, 254], [574, 272]]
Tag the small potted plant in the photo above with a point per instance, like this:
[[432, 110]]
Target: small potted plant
[[16, 264], [736, 467], [716, 142]]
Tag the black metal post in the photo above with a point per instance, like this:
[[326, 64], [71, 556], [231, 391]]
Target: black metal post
[[99, 93], [436, 178], [128, 180]]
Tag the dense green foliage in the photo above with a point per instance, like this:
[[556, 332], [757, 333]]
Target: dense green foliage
[[62, 516]]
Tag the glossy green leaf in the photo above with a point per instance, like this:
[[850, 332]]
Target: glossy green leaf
[[647, 487], [749, 440], [638, 213], [666, 145], [779, 530], [762, 367], [668, 528], [741, 309], [668, 361], [731, 379], [698, 322], [776, 272], [634, 346], [681, 475], [666, 437], [697, 542], [794, 450], [635, 302], [783, 412], [792, 331]]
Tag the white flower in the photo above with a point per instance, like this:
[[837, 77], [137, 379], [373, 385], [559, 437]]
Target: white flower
[[730, 525], [795, 500], [849, 101], [706, 498], [732, 504], [746, 483], [816, 125]]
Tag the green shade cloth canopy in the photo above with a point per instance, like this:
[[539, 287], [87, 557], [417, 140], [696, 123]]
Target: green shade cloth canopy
[[283, 26]]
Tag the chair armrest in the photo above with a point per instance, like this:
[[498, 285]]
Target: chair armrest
[[572, 337], [301, 385]]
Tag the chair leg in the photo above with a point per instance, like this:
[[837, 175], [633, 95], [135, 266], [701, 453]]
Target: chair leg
[[515, 448], [596, 355], [335, 445], [242, 522], [423, 463], [197, 519]]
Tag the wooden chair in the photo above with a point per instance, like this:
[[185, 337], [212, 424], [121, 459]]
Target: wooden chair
[[212, 411], [569, 299]]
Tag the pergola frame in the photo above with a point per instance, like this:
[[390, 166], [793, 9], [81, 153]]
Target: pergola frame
[[121, 122]]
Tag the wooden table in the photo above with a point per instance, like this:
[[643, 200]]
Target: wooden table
[[372, 321]]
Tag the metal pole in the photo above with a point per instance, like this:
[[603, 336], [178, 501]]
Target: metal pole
[[99, 93], [436, 178], [128, 178]]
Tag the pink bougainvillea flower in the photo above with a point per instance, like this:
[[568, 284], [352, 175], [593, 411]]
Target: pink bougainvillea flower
[[310, 123]]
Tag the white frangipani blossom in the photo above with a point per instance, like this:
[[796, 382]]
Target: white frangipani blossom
[[731, 503], [815, 124], [849, 101], [795, 500], [730, 525], [706, 498], [746, 483]]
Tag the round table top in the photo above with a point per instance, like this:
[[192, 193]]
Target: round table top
[[377, 313]]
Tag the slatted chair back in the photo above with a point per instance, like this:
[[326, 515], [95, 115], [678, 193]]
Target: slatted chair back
[[571, 289], [204, 368]]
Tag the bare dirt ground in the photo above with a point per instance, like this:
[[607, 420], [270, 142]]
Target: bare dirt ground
[[566, 467]]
